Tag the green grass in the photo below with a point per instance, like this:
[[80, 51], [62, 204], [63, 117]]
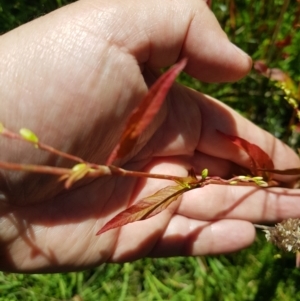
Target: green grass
[[259, 273]]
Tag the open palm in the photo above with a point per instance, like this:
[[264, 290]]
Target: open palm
[[73, 77]]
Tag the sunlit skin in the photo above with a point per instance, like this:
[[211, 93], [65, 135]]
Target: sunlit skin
[[73, 77]]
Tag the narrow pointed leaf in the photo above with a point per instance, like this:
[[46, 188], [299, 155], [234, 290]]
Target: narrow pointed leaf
[[144, 113], [260, 161], [146, 208]]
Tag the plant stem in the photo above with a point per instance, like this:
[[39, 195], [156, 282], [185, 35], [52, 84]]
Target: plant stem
[[263, 227], [276, 30], [35, 168], [123, 172], [9, 134]]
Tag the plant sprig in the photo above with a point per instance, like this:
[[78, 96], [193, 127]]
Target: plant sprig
[[261, 167]]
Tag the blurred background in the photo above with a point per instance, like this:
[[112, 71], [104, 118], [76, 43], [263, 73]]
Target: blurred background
[[268, 30]]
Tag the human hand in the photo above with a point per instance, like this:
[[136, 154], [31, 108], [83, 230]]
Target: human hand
[[73, 77]]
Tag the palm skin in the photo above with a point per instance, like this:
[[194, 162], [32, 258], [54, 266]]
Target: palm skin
[[73, 77]]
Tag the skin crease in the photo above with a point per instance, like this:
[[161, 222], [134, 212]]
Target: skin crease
[[73, 77]]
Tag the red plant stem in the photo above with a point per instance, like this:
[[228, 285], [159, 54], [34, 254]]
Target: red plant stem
[[227, 182], [99, 170], [9, 134], [60, 153], [103, 170], [66, 155], [123, 172], [35, 168]]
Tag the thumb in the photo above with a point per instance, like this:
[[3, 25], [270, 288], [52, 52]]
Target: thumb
[[158, 33], [213, 57], [177, 29]]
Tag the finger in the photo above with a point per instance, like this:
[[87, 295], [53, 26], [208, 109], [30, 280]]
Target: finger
[[173, 29], [246, 203], [213, 57], [216, 166], [217, 116], [155, 32], [184, 237]]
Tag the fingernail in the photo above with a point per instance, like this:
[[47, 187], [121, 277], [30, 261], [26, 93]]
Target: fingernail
[[240, 51]]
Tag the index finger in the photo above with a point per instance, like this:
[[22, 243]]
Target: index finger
[[219, 117]]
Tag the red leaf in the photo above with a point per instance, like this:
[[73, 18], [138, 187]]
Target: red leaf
[[284, 42], [144, 113], [146, 208], [259, 159], [261, 67], [274, 73], [287, 172]]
